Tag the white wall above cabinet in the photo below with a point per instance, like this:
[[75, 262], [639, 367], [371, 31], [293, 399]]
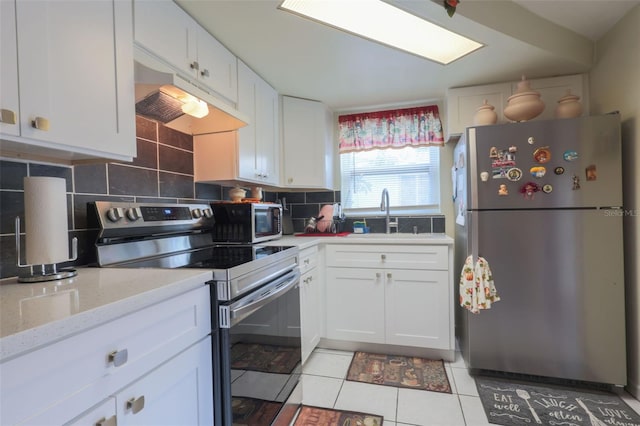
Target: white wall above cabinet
[[308, 148], [67, 79], [463, 102], [164, 29]]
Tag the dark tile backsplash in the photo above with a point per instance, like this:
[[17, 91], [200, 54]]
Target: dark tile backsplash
[[303, 205], [162, 172]]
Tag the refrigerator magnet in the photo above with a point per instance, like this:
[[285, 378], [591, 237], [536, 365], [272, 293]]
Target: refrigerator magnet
[[570, 155], [538, 171], [514, 174], [576, 182], [502, 190], [529, 189], [542, 155], [591, 172], [547, 189], [558, 170]]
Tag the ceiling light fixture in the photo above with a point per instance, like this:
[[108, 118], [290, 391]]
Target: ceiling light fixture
[[381, 22]]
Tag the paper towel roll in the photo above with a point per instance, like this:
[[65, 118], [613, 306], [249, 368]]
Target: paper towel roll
[[45, 213]]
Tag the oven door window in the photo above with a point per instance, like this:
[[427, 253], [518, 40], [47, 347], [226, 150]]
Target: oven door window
[[265, 359]]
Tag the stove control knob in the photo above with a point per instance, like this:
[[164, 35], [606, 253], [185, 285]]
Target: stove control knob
[[134, 213], [196, 213], [114, 214], [208, 213]]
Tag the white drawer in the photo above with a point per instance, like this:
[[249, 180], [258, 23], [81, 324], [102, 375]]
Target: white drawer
[[308, 259], [56, 374], [388, 256]]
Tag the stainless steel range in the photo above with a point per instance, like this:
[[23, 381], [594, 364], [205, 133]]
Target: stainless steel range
[[254, 293]]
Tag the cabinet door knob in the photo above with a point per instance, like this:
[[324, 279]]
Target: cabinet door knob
[[378, 275], [204, 73], [194, 65], [8, 117], [383, 257], [111, 421], [389, 275], [136, 404], [40, 123], [119, 358]]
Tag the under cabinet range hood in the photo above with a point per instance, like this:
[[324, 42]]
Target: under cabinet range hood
[[164, 96]]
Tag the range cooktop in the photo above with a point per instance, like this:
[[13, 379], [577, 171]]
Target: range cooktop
[[215, 257]]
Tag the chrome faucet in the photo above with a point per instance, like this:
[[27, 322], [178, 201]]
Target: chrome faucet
[[384, 206]]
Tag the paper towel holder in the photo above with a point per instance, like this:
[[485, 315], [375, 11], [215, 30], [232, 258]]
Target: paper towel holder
[[46, 274]]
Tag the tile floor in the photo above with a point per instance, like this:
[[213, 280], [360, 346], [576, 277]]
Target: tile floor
[[324, 385]]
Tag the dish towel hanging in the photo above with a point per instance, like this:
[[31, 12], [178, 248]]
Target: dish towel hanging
[[477, 290]]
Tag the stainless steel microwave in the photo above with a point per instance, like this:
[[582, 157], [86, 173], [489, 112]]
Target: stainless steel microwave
[[246, 222]]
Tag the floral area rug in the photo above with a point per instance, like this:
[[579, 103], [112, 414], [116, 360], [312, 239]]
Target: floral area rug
[[253, 412], [514, 403], [316, 416], [265, 358], [399, 371]]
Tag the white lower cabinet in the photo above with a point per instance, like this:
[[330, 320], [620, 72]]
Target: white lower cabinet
[[103, 414], [161, 352], [310, 301], [391, 294], [179, 392], [417, 308], [355, 304], [176, 393]]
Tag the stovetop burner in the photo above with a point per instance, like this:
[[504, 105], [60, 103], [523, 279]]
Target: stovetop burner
[[216, 257]]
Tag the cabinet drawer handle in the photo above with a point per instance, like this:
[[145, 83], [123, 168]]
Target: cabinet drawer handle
[[388, 275], [383, 257], [136, 404], [111, 421], [119, 358], [40, 123], [306, 261], [7, 116], [378, 275], [194, 65], [204, 73]]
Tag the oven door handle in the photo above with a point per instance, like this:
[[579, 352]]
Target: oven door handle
[[232, 314]]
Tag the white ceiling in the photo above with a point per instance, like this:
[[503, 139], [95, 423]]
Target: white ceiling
[[298, 57]]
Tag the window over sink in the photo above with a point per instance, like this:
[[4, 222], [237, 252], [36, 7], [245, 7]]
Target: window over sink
[[398, 150]]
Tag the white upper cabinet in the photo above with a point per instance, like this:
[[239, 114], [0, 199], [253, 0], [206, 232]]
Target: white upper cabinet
[[69, 67], [9, 101], [168, 32], [463, 102], [307, 144], [259, 142], [252, 153]]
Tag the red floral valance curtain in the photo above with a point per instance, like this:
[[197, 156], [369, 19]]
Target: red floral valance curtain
[[397, 128]]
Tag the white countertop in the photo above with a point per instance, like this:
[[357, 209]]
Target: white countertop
[[32, 315], [372, 238]]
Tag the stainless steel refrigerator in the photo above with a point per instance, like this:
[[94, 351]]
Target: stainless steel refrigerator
[[541, 201]]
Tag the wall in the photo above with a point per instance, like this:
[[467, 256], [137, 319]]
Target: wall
[[615, 86], [162, 172]]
